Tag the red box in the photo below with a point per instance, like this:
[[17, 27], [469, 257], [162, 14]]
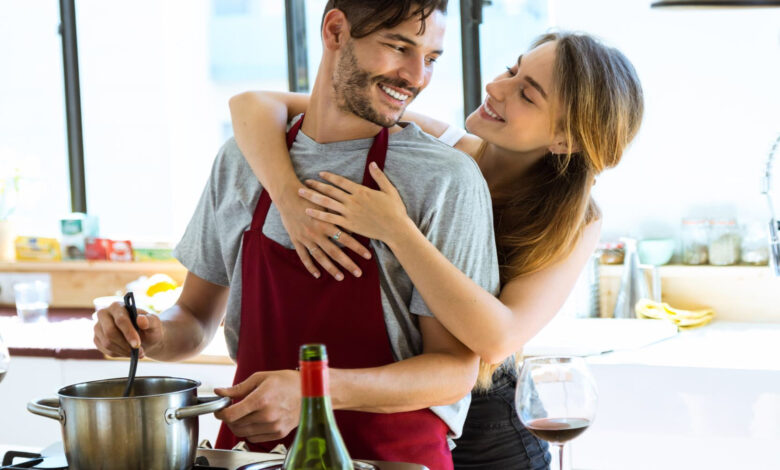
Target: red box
[[120, 250], [103, 249], [97, 248]]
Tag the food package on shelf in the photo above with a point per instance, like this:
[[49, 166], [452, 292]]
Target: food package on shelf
[[75, 229], [37, 249], [155, 251], [103, 249]]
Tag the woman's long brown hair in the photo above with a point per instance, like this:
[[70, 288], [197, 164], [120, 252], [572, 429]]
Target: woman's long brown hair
[[539, 221]]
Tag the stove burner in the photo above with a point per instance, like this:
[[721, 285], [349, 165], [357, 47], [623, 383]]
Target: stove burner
[[31, 460], [58, 462]]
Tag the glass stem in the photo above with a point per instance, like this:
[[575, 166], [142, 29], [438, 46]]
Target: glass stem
[[560, 456]]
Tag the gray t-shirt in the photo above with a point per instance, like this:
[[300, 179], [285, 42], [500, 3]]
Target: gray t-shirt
[[444, 194]]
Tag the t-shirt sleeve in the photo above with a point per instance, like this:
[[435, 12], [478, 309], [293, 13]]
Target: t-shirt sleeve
[[452, 135], [459, 222], [200, 248]]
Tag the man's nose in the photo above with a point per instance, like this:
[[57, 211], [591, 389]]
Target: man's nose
[[413, 71]]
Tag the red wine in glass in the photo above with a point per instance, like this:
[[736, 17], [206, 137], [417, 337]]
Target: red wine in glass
[[557, 430]]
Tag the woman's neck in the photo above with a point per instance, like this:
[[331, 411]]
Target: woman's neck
[[502, 168]]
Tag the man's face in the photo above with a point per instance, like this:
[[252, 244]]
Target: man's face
[[377, 76]]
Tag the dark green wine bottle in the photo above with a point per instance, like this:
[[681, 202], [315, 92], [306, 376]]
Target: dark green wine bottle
[[318, 444]]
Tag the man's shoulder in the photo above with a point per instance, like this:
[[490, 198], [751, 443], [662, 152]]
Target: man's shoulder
[[231, 175], [425, 150]]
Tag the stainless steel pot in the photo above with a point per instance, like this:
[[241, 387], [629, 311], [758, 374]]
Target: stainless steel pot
[[155, 428]]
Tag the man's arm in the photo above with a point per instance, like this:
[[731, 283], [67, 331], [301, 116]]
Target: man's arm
[[444, 373], [175, 334], [270, 401]]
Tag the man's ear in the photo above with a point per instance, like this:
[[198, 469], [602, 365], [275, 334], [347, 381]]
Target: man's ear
[[335, 29]]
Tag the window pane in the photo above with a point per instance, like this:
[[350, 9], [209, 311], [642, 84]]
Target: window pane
[[32, 115], [511, 25], [443, 98], [155, 81]]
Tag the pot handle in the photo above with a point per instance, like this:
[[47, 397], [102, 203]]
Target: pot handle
[[48, 408], [205, 405]]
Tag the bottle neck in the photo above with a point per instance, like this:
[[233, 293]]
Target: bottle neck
[[314, 379]]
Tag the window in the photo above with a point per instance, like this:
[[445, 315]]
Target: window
[[32, 115], [155, 82]]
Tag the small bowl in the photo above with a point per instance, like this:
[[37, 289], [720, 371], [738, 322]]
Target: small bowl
[[656, 252]]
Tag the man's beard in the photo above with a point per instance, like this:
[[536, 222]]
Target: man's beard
[[352, 86]]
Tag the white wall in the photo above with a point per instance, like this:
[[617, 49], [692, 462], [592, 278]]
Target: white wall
[[712, 94]]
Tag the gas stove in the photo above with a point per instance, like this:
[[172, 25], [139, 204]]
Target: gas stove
[[239, 458]]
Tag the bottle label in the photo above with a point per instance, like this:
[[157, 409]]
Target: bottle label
[[314, 378]]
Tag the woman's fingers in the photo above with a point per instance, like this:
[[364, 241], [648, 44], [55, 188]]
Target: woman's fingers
[[354, 245], [303, 254], [330, 195], [329, 217], [322, 258], [343, 183], [337, 254], [381, 179]]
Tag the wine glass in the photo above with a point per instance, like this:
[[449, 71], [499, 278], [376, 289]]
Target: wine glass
[[556, 399], [5, 358]]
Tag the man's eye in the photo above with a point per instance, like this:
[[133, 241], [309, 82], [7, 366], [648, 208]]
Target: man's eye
[[397, 48], [431, 60]]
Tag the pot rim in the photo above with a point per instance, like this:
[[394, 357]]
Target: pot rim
[[192, 384]]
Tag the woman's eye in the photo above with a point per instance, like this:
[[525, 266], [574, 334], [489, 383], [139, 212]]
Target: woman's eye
[[510, 71], [524, 96]]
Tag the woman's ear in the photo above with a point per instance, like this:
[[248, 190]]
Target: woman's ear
[[561, 146], [335, 29]]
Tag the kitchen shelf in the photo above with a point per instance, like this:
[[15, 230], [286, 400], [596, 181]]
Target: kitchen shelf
[[736, 293], [74, 284], [81, 265], [682, 270]]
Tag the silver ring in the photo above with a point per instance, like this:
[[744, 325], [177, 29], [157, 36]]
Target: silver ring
[[336, 237]]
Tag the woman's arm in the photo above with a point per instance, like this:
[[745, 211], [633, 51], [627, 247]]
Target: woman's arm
[[492, 327], [259, 124]]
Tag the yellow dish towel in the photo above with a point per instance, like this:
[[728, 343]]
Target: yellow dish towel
[[647, 308]]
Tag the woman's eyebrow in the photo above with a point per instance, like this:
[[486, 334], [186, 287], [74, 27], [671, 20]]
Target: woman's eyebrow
[[530, 80]]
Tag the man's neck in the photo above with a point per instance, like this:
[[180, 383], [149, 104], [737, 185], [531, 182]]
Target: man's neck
[[326, 122]]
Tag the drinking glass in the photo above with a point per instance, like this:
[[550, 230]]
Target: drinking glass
[[32, 301], [5, 358], [556, 399]]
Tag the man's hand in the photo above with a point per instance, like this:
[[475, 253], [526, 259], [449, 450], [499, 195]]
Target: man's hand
[[115, 335], [269, 409]]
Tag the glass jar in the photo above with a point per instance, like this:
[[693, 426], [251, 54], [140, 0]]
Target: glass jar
[[755, 245], [611, 252], [695, 241], [725, 241]]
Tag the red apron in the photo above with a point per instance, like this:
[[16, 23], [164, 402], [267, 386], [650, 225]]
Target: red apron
[[283, 307]]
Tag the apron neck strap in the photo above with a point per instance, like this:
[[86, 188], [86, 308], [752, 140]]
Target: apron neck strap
[[376, 154]]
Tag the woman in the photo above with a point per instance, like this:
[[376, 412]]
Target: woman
[[554, 120]]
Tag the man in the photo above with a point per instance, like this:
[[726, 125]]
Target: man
[[391, 362]]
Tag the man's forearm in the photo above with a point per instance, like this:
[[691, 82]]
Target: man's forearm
[[416, 383], [183, 335]]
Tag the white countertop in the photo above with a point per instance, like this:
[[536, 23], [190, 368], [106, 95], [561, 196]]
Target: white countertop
[[719, 345]]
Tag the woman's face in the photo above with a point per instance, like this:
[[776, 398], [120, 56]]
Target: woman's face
[[517, 111]]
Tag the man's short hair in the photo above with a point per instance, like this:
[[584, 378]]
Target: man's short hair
[[368, 16]]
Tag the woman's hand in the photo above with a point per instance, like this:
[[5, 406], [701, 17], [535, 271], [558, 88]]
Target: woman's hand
[[312, 238], [380, 215]]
